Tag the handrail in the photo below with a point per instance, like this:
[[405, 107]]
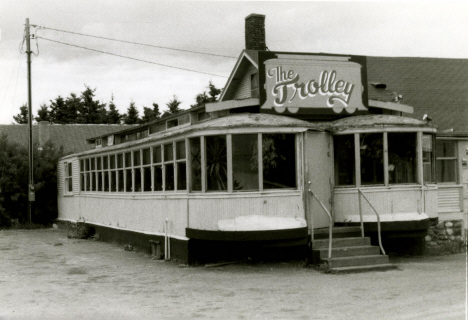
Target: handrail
[[330, 237], [378, 218]]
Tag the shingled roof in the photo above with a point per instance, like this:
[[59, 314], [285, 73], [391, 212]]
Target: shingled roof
[[433, 86], [71, 136]]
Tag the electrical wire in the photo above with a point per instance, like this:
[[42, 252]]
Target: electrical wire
[[138, 43], [136, 59]]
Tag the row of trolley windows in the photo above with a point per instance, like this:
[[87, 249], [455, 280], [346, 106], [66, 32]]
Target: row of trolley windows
[[399, 159], [238, 162]]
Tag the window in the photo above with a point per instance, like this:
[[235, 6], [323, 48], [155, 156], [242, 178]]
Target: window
[[99, 174], [128, 172], [157, 169], [279, 161], [181, 166], [216, 163], [195, 162], [113, 173], [120, 173], [402, 164], [82, 175], [372, 154], [343, 149], [446, 157], [398, 161], [147, 169], [93, 173], [68, 177], [137, 170], [168, 167], [105, 168], [428, 161], [245, 162]]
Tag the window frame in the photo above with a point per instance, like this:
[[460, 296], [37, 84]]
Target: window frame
[[454, 158], [68, 177]]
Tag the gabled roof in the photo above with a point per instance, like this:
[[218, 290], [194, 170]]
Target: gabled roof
[[71, 136], [433, 86]]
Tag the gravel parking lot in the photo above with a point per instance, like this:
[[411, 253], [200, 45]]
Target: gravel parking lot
[[45, 275]]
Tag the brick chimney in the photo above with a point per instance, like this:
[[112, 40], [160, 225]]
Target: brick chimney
[[44, 133], [255, 32]]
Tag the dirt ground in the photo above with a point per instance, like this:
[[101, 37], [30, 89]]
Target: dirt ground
[[44, 275]]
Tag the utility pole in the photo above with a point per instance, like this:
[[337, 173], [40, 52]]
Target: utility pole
[[31, 194]]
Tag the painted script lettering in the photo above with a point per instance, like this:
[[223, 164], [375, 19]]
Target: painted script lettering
[[327, 85]]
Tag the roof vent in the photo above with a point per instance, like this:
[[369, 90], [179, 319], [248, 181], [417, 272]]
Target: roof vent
[[378, 85]]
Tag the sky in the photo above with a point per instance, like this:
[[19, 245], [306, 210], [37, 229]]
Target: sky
[[371, 28]]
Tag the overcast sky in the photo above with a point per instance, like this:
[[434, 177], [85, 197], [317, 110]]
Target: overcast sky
[[379, 28]]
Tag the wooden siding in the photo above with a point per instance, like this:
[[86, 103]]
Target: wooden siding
[[244, 86], [60, 178], [449, 199], [385, 201], [206, 212]]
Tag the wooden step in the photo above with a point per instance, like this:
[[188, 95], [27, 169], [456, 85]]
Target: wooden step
[[341, 242], [348, 251], [356, 269], [338, 232], [367, 260]]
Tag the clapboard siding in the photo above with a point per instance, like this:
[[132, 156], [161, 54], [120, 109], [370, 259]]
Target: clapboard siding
[[76, 175], [60, 178], [244, 86], [449, 199]]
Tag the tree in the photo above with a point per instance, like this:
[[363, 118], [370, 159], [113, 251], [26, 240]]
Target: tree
[[90, 110], [113, 116], [42, 114], [151, 114], [203, 98], [131, 117], [173, 106], [22, 117]]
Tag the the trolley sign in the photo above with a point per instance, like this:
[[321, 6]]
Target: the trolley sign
[[313, 84]]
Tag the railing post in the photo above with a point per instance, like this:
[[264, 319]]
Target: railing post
[[360, 212], [330, 225], [378, 221]]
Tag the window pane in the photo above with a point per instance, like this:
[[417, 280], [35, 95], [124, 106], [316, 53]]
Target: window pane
[[279, 161], [93, 181], [87, 164], [427, 158], [128, 160], [106, 180], [371, 146], [113, 181], [245, 162], [169, 181], [98, 165], [168, 152], [81, 165], [446, 170], [195, 154], [216, 163], [147, 178], [105, 163], [88, 182], [402, 165], [93, 163], [157, 170], [120, 175], [181, 176], [99, 181], [82, 181], [69, 169], [445, 148], [146, 156], [112, 162], [137, 180], [136, 158], [70, 185], [343, 149], [180, 150], [128, 182], [120, 160], [157, 154]]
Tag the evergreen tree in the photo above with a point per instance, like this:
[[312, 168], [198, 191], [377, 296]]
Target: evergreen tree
[[173, 106], [59, 111], [131, 117], [91, 111], [113, 116], [203, 98], [73, 104], [22, 117], [151, 114], [42, 114]]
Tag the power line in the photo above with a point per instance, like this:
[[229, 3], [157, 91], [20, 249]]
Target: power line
[[136, 59], [138, 43]]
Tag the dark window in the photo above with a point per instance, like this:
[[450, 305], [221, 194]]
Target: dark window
[[343, 148], [402, 164], [147, 178], [446, 156], [169, 181], [216, 163], [195, 154], [279, 161], [371, 149], [157, 172], [245, 162], [181, 176]]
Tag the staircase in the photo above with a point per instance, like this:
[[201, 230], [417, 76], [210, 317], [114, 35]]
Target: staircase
[[350, 251]]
